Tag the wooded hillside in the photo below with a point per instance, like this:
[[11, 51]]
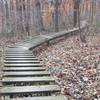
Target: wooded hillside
[[34, 16]]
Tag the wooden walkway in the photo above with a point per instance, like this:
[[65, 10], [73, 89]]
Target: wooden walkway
[[24, 78]]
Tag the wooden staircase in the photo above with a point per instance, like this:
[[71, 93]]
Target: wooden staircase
[[24, 78]]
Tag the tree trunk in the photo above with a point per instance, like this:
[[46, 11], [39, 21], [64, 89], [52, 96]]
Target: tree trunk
[[77, 19], [56, 16], [38, 16], [76, 7]]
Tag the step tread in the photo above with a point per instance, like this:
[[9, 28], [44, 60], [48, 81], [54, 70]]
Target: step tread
[[28, 56], [23, 68], [28, 79], [43, 98], [29, 89], [21, 58], [29, 64], [17, 50], [26, 73], [15, 54], [30, 61], [21, 64]]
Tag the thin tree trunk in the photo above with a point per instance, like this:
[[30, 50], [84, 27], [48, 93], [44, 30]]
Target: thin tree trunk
[[2, 12], [75, 13], [82, 35]]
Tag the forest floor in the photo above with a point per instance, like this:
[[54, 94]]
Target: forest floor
[[75, 66]]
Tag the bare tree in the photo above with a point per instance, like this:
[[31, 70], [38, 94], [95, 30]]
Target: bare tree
[[38, 15], [77, 19], [56, 14], [2, 12], [76, 8]]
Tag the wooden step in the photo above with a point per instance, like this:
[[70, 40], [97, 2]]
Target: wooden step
[[43, 98], [29, 89], [23, 69], [26, 74], [16, 47], [20, 56], [23, 65], [19, 61], [19, 53], [25, 51], [17, 50], [10, 80]]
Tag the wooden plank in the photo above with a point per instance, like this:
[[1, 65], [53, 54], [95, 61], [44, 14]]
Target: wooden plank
[[23, 69], [19, 61], [17, 51], [21, 58], [25, 73], [16, 47], [23, 65], [20, 48], [10, 80], [17, 54], [43, 98], [29, 89]]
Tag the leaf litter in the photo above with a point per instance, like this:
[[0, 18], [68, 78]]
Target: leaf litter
[[75, 66]]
